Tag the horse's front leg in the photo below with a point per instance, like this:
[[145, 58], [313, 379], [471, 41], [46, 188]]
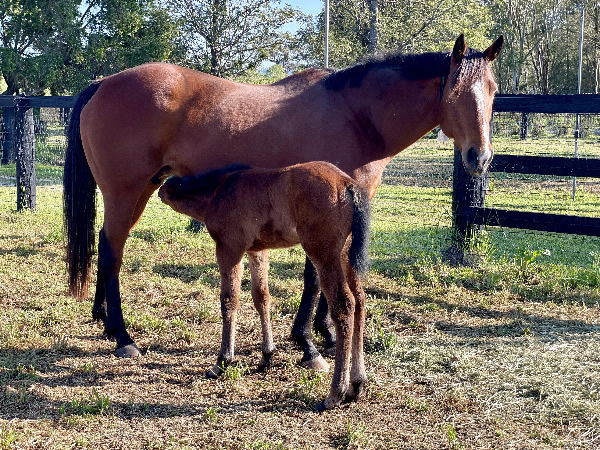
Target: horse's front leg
[[259, 272], [301, 330], [109, 265], [230, 268]]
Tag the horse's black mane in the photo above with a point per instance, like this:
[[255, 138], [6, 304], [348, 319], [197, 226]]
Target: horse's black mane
[[412, 67], [205, 182]]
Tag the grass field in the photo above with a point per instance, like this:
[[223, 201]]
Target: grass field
[[502, 354]]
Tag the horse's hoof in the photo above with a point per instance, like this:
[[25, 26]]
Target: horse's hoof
[[326, 404], [329, 351], [128, 351], [355, 391], [215, 372], [318, 364], [265, 363]]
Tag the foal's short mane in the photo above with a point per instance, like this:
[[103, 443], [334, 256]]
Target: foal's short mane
[[206, 182], [413, 67]]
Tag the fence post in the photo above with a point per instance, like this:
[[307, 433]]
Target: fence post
[[467, 191], [8, 140], [24, 138]]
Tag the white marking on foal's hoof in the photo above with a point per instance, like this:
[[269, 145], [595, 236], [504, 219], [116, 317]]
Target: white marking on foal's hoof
[[128, 351], [318, 364]]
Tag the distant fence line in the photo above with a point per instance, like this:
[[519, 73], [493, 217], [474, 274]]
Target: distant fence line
[[468, 210]]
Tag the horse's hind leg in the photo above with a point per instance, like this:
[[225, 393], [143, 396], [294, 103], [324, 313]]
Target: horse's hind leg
[[324, 325], [230, 267], [121, 213], [341, 306], [358, 375], [301, 330], [259, 272]]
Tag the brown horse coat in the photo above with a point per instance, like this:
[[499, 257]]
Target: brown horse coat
[[252, 210], [131, 130]]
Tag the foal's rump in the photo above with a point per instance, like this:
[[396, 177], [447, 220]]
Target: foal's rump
[[328, 202]]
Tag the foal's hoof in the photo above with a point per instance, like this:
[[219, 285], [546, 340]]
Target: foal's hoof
[[265, 363], [128, 351], [216, 371], [355, 391], [318, 364], [326, 404]]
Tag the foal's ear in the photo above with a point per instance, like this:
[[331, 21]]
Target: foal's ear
[[460, 47], [493, 50]]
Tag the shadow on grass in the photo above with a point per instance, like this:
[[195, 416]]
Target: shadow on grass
[[514, 322], [21, 370]]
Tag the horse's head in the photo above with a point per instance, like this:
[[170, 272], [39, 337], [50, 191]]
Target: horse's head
[[466, 104]]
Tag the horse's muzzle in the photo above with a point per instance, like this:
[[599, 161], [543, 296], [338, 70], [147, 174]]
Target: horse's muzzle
[[476, 163]]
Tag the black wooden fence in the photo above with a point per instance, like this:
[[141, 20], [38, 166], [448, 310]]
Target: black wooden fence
[[19, 140], [468, 198]]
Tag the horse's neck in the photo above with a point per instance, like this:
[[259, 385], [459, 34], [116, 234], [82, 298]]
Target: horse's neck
[[402, 111]]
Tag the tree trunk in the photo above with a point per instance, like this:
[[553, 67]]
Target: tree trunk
[[373, 9]]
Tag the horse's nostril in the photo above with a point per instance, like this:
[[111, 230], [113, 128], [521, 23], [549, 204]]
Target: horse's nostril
[[472, 157]]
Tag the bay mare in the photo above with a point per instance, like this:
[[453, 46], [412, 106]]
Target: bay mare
[[252, 210], [131, 130]]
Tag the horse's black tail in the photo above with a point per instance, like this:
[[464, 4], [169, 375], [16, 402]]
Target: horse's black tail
[[79, 202], [361, 220]]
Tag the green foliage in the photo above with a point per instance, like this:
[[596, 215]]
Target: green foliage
[[7, 438], [92, 405], [229, 38], [59, 49], [410, 27]]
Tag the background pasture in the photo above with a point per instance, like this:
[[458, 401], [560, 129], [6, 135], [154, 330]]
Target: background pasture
[[504, 353]]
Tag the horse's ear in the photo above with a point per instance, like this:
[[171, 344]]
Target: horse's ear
[[460, 47], [493, 50]]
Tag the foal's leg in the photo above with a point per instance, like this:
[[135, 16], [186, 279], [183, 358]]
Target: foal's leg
[[358, 375], [230, 267], [301, 330], [259, 272], [341, 306]]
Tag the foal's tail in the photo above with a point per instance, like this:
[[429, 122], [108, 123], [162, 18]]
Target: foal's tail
[[361, 219], [79, 202]]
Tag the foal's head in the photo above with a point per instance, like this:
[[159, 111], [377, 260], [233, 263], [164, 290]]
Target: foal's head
[[466, 106], [188, 195]]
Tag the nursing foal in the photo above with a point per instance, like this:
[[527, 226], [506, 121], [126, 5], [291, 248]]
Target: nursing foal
[[251, 210]]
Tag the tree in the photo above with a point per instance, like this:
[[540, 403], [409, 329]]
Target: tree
[[409, 27], [59, 45], [38, 38], [230, 37], [541, 53]]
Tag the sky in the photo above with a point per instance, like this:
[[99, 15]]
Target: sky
[[313, 7]]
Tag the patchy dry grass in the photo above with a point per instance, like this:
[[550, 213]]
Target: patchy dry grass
[[505, 354]]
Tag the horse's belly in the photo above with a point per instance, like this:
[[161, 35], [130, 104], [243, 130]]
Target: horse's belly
[[274, 238]]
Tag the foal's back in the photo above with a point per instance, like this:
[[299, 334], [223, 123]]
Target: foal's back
[[271, 208]]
